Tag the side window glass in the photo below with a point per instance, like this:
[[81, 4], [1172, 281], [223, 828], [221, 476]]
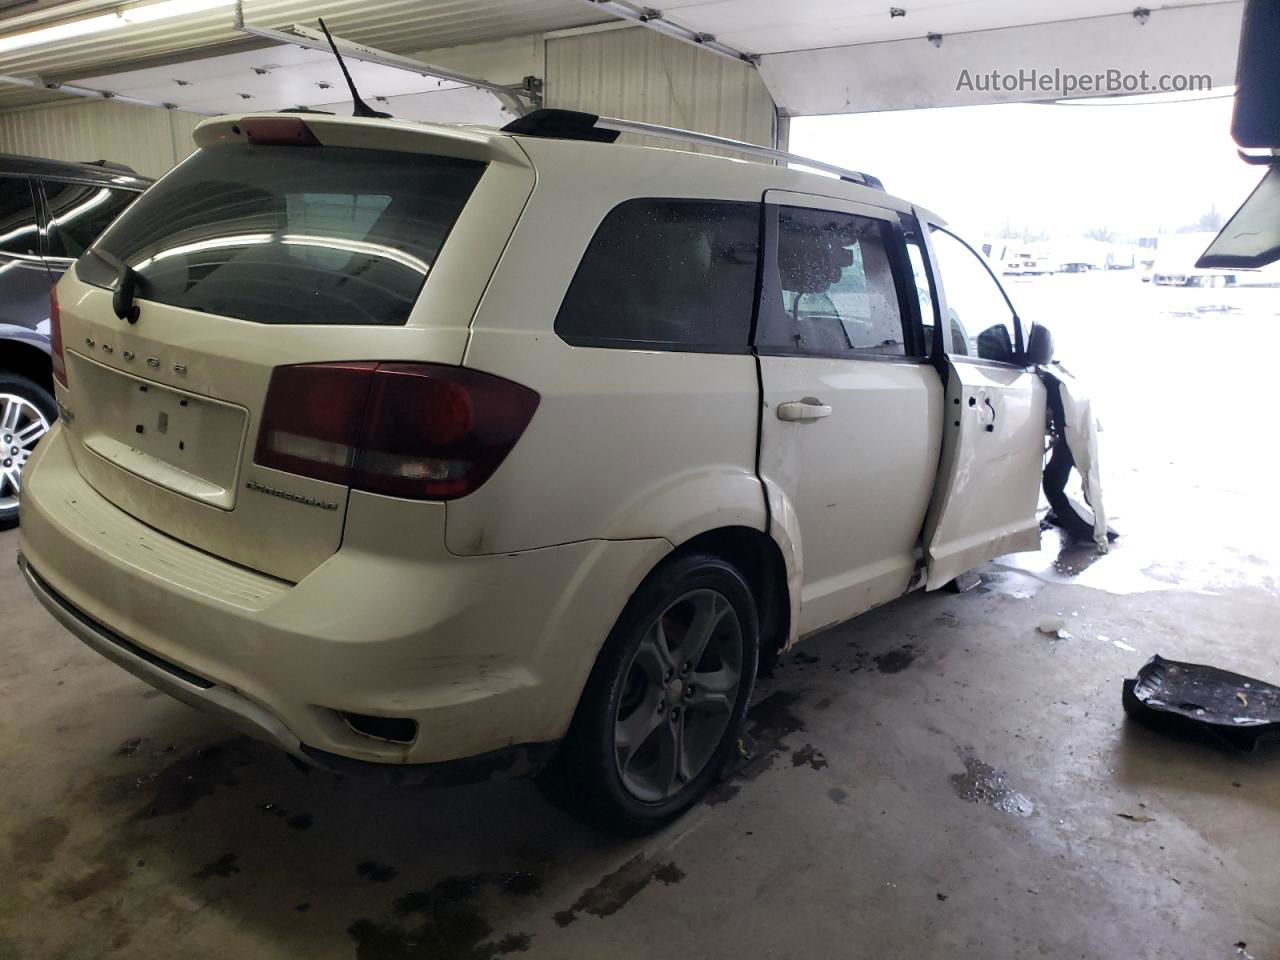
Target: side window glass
[[982, 323], [834, 293], [920, 283], [666, 273], [78, 212], [18, 229]]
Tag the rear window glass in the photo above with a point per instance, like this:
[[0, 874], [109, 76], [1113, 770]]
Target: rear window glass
[[290, 235], [666, 274]]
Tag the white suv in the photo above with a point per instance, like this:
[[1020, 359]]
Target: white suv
[[468, 451]]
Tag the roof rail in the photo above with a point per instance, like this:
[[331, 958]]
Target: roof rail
[[576, 125], [110, 165]]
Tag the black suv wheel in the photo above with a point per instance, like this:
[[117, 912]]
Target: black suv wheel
[[27, 413]]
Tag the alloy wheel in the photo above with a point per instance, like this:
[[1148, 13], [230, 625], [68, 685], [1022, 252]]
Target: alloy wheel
[[21, 427], [678, 695]]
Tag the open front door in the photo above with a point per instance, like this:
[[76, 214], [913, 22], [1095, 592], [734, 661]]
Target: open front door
[[984, 503]]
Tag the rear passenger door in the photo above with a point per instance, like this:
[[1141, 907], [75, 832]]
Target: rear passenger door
[[851, 420], [993, 447], [24, 278]]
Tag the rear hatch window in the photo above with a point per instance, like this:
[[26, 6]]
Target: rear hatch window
[[290, 235]]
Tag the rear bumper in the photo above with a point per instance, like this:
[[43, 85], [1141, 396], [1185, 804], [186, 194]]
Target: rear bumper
[[488, 655], [160, 673], [250, 718]]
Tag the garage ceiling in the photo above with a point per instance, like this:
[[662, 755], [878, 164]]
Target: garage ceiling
[[784, 32], [400, 26], [773, 26], [277, 77]]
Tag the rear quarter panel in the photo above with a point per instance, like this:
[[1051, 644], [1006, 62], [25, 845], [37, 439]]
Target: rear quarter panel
[[625, 444]]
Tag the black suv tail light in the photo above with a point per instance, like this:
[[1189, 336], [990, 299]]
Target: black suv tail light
[[422, 431]]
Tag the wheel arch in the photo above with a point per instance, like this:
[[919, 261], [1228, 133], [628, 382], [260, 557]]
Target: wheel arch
[[26, 360], [759, 559], [740, 517]]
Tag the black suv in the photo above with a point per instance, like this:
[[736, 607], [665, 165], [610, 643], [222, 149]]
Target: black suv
[[50, 211]]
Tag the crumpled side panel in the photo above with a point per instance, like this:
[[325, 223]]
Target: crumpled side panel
[[1081, 432]]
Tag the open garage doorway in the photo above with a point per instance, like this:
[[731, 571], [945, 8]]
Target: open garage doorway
[[1092, 214]]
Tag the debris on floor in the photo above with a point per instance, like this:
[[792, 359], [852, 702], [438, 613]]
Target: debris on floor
[[1055, 627], [965, 582], [1196, 698], [1137, 817]]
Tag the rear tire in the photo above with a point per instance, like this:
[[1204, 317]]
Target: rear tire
[[27, 412], [666, 700]]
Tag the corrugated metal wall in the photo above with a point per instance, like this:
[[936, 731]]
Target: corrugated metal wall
[[637, 74], [149, 139], [632, 73]]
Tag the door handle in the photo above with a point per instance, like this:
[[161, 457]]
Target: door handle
[[800, 410], [992, 425]]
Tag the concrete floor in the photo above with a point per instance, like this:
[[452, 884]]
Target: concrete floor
[[936, 779]]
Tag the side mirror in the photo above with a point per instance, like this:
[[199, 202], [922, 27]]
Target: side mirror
[[1039, 346]]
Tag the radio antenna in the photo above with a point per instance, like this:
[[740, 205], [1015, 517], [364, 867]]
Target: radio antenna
[[359, 107]]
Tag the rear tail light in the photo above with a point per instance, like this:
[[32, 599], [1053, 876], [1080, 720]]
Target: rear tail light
[[55, 331], [422, 431]]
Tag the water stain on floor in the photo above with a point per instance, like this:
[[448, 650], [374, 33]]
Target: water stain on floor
[[617, 889], [38, 841], [722, 792], [131, 747], [810, 756], [377, 872], [669, 873], [103, 877], [179, 786], [772, 719], [444, 922], [224, 866], [983, 783], [895, 661], [769, 722]]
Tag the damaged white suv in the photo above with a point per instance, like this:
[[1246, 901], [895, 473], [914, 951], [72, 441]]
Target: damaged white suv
[[464, 451]]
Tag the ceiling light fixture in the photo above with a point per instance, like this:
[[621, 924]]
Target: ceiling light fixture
[[146, 13], [67, 30], [122, 17]]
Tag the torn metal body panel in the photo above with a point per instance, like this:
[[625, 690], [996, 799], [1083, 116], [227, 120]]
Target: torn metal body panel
[[1079, 428], [1195, 698]]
